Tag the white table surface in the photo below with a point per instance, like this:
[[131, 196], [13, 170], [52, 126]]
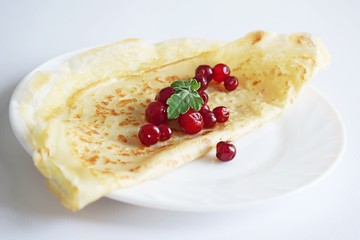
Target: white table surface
[[32, 32]]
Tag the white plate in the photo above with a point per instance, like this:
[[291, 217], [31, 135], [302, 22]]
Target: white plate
[[284, 156]]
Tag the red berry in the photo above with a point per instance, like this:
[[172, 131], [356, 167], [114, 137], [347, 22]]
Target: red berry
[[209, 119], [204, 96], [164, 94], [204, 109], [231, 83], [220, 72], [221, 113], [149, 134], [202, 80], [225, 151], [165, 132], [204, 70], [156, 112], [191, 122]]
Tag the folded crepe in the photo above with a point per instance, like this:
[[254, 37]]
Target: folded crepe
[[82, 119]]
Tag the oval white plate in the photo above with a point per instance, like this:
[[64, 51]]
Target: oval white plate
[[284, 156]]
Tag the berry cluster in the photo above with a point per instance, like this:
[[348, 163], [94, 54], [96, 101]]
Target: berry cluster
[[192, 121], [220, 73]]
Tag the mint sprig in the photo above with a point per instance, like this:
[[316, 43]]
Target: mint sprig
[[184, 98]]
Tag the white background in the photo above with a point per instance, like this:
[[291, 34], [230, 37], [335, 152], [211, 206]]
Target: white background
[[32, 32]]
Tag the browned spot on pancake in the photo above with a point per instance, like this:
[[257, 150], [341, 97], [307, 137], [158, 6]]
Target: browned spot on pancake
[[135, 169], [125, 102], [134, 90], [303, 40], [107, 100], [93, 159], [123, 111], [256, 82], [125, 154], [131, 108], [129, 121], [91, 132], [158, 79], [257, 36], [106, 171], [146, 87], [114, 113], [103, 111], [122, 138], [88, 130], [141, 151], [88, 141], [120, 92], [172, 78]]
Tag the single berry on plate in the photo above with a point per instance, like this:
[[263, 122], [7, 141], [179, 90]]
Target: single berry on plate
[[231, 83], [202, 80], [156, 112], [209, 119], [220, 72], [221, 113], [149, 134], [165, 132], [191, 122], [204, 70], [164, 94], [225, 151], [204, 96]]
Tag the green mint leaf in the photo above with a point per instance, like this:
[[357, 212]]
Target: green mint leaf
[[180, 84], [195, 101], [194, 85], [185, 97], [178, 103]]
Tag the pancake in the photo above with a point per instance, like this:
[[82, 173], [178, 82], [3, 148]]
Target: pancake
[[83, 118]]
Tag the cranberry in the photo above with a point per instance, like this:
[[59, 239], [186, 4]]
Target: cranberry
[[149, 134], [220, 72], [225, 151], [231, 83], [204, 70], [164, 94], [203, 81], [204, 109], [204, 96], [221, 113], [191, 122], [209, 119], [165, 132], [156, 112]]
